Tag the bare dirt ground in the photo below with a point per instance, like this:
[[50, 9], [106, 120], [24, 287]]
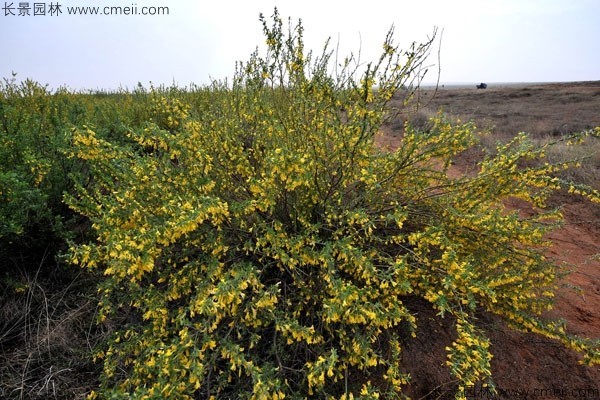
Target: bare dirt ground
[[525, 366]]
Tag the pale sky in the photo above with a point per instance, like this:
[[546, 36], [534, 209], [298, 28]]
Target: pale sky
[[482, 41]]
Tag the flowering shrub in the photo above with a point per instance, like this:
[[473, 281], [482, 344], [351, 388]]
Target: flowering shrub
[[263, 247]]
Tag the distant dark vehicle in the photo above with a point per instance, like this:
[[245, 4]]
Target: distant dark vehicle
[[482, 86]]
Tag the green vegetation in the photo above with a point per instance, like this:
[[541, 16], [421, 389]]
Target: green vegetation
[[251, 241]]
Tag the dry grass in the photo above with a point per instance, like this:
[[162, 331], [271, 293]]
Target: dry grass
[[554, 109], [47, 333], [588, 153]]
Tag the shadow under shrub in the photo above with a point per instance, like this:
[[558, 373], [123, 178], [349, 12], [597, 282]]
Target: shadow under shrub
[[262, 245]]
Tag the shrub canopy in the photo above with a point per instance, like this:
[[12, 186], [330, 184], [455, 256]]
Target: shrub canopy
[[262, 246]]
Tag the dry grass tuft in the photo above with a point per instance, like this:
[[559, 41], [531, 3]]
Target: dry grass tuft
[[47, 333]]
